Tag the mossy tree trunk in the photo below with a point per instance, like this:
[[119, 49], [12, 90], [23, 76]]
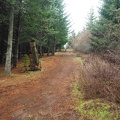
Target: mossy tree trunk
[[35, 65]]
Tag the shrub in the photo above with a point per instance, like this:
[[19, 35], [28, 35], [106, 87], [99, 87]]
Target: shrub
[[81, 42], [113, 57], [26, 62], [98, 89], [101, 79]]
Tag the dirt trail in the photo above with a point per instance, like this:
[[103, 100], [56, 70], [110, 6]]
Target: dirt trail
[[44, 97]]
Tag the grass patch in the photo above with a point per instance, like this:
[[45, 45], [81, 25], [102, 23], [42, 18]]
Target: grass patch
[[94, 109]]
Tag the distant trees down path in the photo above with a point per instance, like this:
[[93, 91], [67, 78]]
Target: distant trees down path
[[22, 21], [102, 34]]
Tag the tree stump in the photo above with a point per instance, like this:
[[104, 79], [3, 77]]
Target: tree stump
[[34, 59]]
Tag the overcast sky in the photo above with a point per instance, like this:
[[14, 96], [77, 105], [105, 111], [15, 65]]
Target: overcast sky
[[78, 10]]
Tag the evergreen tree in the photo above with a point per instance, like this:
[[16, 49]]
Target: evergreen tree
[[91, 20], [41, 20], [106, 30]]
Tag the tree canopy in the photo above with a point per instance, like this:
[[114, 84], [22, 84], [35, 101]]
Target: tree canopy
[[105, 30], [41, 20]]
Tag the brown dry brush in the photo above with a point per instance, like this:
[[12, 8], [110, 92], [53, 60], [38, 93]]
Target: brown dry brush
[[113, 57], [101, 79], [82, 42]]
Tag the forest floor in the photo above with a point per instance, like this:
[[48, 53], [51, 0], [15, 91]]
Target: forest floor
[[40, 95]]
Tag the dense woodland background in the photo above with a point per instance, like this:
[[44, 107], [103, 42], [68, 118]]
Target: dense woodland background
[[43, 21]]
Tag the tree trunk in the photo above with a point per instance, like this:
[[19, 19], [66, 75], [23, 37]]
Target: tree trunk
[[60, 48], [16, 45], [34, 65], [54, 44], [42, 51], [2, 51], [3, 38], [9, 43], [1, 42], [40, 43], [48, 49]]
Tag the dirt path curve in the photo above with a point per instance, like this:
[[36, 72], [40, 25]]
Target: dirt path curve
[[45, 97]]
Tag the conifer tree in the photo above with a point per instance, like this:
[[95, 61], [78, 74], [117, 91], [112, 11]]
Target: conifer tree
[[106, 30]]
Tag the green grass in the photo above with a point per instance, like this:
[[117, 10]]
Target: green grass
[[95, 109]]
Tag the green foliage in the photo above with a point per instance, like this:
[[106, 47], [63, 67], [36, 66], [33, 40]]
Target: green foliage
[[26, 62], [94, 109], [105, 31], [42, 20], [91, 20]]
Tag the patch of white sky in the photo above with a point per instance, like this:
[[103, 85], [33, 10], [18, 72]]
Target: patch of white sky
[[78, 11]]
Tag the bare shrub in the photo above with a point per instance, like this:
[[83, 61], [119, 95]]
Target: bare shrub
[[113, 56], [101, 79], [81, 42]]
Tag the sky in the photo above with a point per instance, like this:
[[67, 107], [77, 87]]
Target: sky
[[79, 10]]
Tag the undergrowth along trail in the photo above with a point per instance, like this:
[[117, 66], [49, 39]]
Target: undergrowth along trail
[[97, 90]]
